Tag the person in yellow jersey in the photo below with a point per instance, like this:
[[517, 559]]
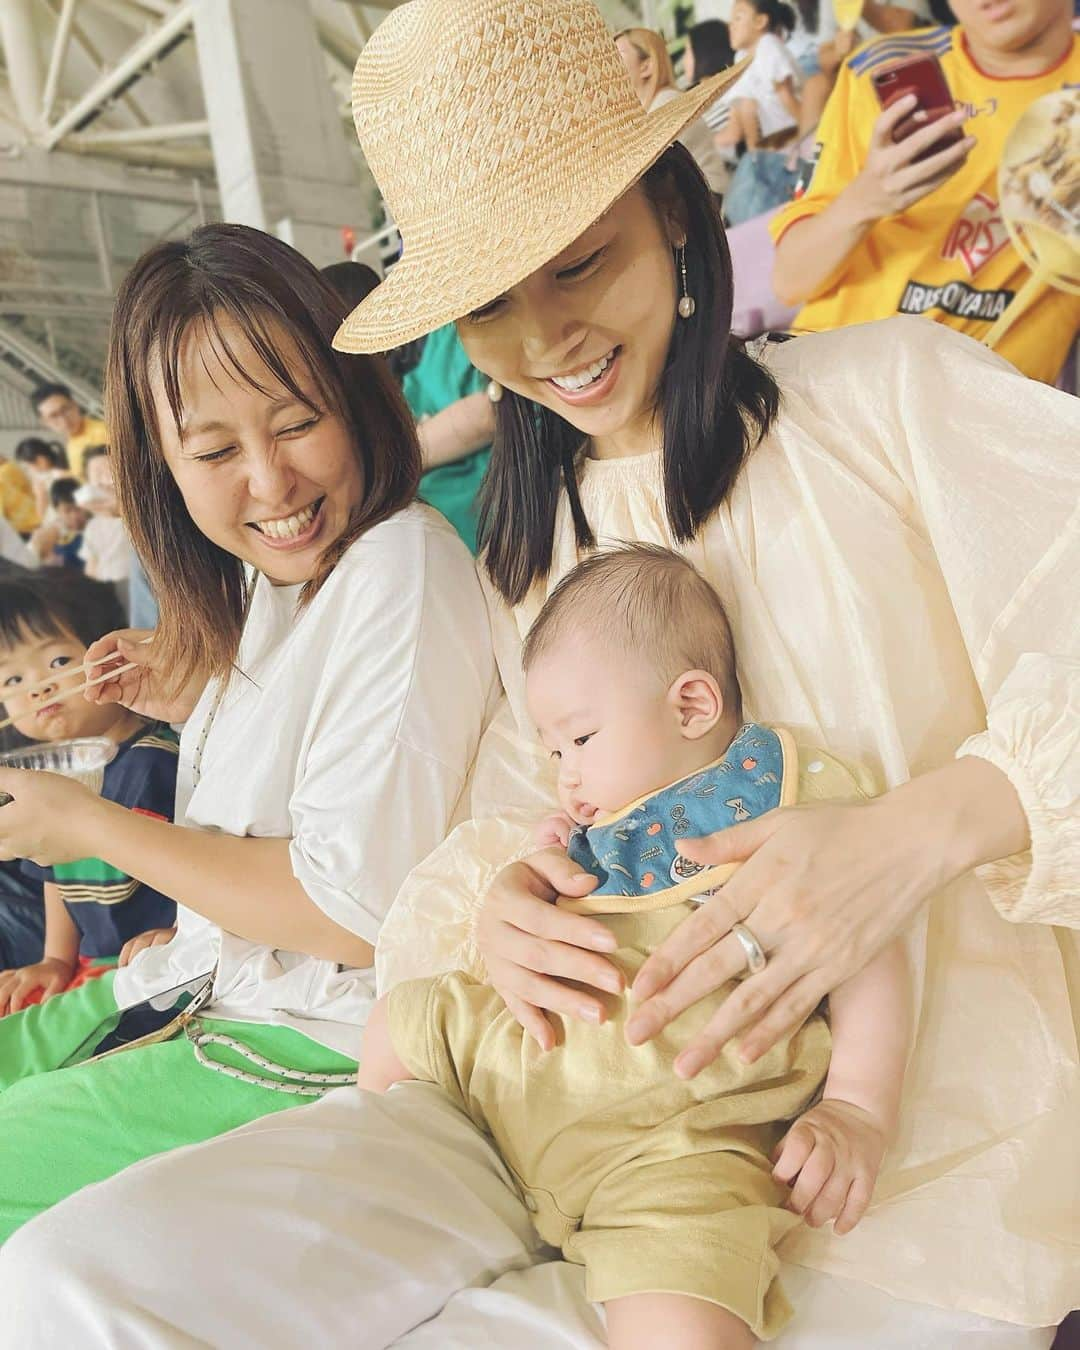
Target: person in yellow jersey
[[60, 414], [879, 233]]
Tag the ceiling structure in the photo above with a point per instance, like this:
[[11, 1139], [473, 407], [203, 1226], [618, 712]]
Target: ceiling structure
[[105, 148]]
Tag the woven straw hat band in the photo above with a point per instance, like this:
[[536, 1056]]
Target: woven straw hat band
[[497, 131]]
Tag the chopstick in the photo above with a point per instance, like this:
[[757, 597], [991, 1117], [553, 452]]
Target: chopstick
[[79, 688], [44, 684]]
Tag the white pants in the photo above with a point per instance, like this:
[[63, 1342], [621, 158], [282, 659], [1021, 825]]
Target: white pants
[[359, 1222]]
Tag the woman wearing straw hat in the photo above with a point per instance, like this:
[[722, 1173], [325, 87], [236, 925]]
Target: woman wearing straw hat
[[894, 543]]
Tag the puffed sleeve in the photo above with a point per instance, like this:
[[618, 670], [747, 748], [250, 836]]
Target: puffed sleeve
[[431, 926], [393, 735], [992, 462]]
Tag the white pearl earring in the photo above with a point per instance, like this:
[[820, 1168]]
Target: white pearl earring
[[495, 391], [687, 303]]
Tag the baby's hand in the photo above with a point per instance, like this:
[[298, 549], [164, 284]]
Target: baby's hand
[[835, 1151], [555, 831]]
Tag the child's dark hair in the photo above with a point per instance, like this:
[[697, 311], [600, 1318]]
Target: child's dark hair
[[781, 17], [57, 602], [711, 45], [94, 452], [32, 448], [62, 492]]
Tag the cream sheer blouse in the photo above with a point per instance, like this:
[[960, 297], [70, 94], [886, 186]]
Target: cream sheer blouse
[[899, 559]]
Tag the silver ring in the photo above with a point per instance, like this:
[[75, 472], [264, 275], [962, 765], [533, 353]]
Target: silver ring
[[756, 960]]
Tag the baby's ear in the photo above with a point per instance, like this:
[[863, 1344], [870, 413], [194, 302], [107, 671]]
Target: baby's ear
[[696, 701]]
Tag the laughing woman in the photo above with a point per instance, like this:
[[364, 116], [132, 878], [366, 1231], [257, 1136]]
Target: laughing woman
[[325, 642]]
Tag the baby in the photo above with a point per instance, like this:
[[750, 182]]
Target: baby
[[671, 1193]]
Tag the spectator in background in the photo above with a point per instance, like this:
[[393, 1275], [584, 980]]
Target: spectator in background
[[42, 462], [764, 110], [645, 56], [60, 414], [17, 504], [764, 103], [832, 44], [883, 232], [448, 399], [14, 553], [106, 550], [58, 543]]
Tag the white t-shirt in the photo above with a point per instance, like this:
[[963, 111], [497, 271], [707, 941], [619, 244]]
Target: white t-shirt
[[349, 731], [106, 549], [13, 550], [772, 64]]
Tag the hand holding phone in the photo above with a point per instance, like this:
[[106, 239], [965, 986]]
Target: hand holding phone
[[899, 173], [922, 76]]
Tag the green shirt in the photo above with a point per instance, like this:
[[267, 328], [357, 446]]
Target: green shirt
[[441, 377]]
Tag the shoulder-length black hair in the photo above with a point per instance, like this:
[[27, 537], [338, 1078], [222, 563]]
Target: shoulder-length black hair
[[717, 405]]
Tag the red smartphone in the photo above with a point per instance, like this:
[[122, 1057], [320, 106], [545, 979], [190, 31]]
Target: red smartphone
[[923, 77]]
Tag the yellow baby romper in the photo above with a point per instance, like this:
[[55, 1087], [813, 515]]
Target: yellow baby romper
[[652, 1183]]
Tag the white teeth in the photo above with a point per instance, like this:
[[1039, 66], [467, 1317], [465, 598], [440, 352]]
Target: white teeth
[[289, 527], [585, 377]]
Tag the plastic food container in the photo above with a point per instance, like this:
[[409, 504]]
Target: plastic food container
[[84, 759]]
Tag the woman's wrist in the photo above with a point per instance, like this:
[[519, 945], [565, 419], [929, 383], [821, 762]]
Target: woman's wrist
[[963, 815]]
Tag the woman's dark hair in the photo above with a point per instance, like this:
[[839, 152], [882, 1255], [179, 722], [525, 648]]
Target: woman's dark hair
[[405, 358], [353, 281], [711, 44], [717, 404], [33, 447], [57, 602], [781, 17], [284, 308]]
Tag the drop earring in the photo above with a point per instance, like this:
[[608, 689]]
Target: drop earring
[[495, 391], [687, 304]]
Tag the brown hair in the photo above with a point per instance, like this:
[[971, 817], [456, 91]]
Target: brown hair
[[271, 292], [648, 602], [651, 45]]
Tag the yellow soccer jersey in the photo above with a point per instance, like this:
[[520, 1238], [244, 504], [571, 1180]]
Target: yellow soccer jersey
[[949, 256]]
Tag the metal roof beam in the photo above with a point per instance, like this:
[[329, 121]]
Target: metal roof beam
[[38, 361], [58, 169], [116, 81]]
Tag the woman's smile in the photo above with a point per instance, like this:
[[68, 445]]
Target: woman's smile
[[293, 531], [589, 384]]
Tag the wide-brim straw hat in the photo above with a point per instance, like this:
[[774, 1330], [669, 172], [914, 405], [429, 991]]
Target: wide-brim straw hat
[[498, 131]]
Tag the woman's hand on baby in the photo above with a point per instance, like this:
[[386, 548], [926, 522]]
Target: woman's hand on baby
[[50, 975], [153, 937], [50, 819], [822, 888], [532, 948], [830, 1158], [147, 689]]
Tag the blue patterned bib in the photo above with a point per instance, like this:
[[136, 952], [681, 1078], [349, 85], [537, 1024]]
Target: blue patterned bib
[[634, 854]]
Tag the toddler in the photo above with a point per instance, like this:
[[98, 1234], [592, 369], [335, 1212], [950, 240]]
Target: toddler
[[671, 1193], [106, 549], [58, 543], [47, 621]]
